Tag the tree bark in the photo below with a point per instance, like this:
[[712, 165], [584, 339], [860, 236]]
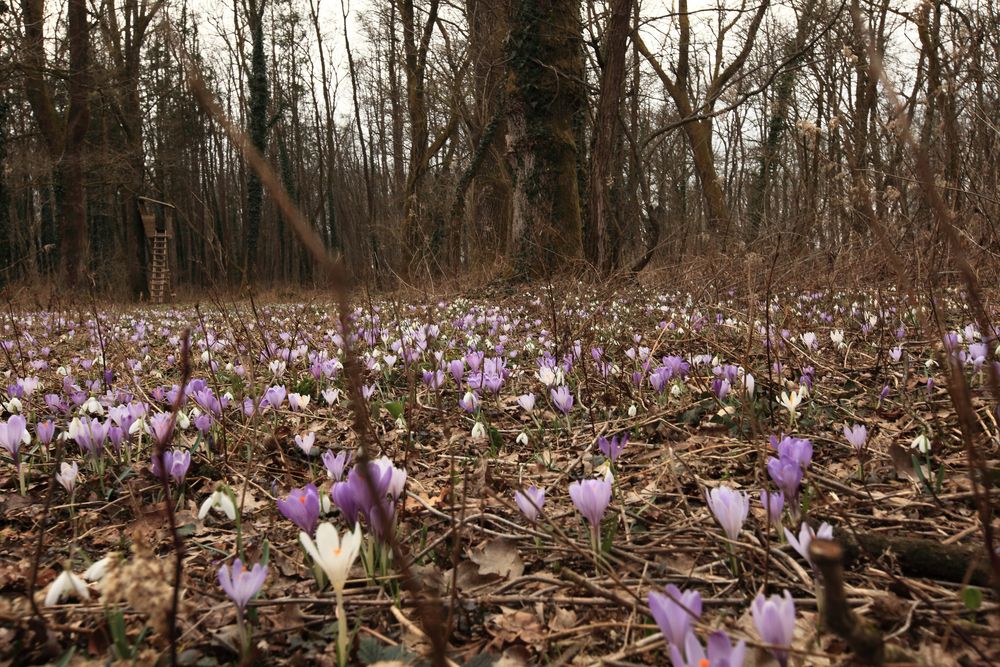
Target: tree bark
[[603, 237], [546, 91], [258, 130]]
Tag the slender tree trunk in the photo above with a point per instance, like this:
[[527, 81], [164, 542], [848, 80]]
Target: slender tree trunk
[[603, 240], [259, 95], [73, 226]]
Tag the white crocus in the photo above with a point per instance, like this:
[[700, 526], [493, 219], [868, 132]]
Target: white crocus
[[66, 585], [546, 375], [478, 431], [219, 500], [334, 555], [13, 405], [791, 402]]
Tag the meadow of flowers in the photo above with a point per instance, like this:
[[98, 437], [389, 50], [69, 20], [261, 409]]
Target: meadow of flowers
[[564, 477]]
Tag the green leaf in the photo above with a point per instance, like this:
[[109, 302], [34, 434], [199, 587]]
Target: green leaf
[[395, 408], [972, 597]]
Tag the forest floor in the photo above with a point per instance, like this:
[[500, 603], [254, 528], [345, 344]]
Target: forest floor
[[445, 388]]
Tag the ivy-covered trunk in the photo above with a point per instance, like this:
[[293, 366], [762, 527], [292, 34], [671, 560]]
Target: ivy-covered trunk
[[546, 92]]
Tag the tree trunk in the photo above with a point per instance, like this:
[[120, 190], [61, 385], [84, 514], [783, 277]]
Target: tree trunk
[[546, 91], [258, 130], [73, 227], [603, 238]]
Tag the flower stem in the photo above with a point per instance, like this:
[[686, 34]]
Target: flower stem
[[341, 630]]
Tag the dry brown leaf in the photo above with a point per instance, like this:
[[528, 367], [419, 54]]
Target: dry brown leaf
[[512, 625], [498, 557]]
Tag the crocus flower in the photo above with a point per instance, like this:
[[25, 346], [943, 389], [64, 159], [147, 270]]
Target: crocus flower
[[45, 431], [787, 475], [13, 433], [161, 427], [301, 507], [335, 464], [68, 475], [774, 619], [674, 612], [298, 402], [857, 435], [721, 652], [219, 500], [241, 584], [66, 585], [397, 476], [730, 509], [791, 401], [527, 402], [275, 396], [612, 448], [805, 538], [175, 462], [562, 398], [335, 555], [591, 498], [530, 501], [774, 503], [306, 442]]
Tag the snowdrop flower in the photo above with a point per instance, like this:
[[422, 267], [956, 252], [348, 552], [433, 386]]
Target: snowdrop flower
[[478, 431], [99, 568], [219, 500], [522, 439], [92, 406], [335, 555], [66, 585], [632, 410], [13, 405], [921, 444]]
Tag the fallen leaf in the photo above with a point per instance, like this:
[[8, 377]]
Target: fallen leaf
[[499, 557]]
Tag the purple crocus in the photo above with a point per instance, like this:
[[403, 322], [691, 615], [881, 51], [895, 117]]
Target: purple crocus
[[730, 509], [45, 431], [805, 538], [175, 462], [241, 584], [774, 619], [857, 435], [721, 652], [774, 503], [335, 464], [91, 434], [562, 398], [787, 475], [530, 501], [612, 448], [13, 433], [527, 402], [674, 612], [591, 497], [161, 427], [301, 507]]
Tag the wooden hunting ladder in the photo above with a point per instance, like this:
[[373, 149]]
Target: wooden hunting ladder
[[159, 230]]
